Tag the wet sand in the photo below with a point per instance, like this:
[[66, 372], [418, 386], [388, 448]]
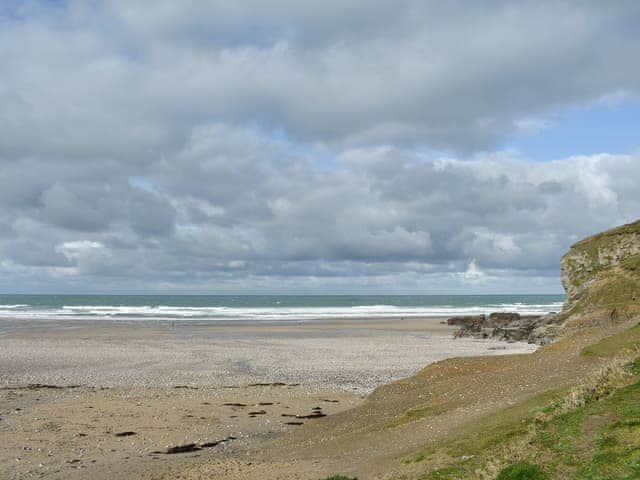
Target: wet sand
[[223, 387]]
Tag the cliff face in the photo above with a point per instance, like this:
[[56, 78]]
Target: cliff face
[[602, 273]]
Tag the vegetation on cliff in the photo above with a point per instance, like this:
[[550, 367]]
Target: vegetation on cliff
[[602, 274], [591, 431]]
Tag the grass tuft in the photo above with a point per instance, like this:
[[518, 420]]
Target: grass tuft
[[522, 471]]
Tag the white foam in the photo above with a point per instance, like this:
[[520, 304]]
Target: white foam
[[265, 313]]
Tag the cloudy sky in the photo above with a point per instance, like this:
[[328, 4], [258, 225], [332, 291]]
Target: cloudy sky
[[312, 147]]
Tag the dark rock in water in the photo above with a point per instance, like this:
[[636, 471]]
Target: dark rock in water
[[294, 423], [234, 404], [258, 412], [189, 447], [125, 434]]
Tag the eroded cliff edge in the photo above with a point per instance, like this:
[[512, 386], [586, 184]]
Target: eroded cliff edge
[[601, 275]]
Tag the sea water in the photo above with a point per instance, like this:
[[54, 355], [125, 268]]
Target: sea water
[[278, 308]]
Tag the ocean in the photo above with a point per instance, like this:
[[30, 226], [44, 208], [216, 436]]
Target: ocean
[[271, 308]]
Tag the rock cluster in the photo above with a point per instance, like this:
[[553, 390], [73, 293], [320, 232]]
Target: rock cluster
[[508, 326]]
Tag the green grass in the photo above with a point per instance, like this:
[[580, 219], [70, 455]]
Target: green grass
[[444, 473], [522, 471], [612, 291], [419, 413], [592, 244], [609, 346], [460, 457], [496, 429], [596, 440], [600, 441], [417, 458], [604, 438], [631, 263]]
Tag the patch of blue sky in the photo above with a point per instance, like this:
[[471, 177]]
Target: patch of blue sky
[[607, 126], [142, 183], [20, 10]]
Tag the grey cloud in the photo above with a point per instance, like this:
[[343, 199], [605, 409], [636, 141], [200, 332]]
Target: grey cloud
[[255, 147], [257, 212], [66, 209], [150, 214], [120, 79]]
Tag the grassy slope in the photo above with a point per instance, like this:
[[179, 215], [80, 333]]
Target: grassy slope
[[599, 440]]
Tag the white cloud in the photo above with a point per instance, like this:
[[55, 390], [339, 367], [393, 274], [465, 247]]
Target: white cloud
[[79, 252], [473, 273]]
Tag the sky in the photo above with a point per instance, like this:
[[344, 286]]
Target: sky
[[407, 147]]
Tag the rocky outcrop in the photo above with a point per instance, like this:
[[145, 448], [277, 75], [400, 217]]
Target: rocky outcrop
[[468, 321], [508, 326], [602, 274]]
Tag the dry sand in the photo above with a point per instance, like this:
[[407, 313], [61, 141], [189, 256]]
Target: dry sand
[[168, 384]]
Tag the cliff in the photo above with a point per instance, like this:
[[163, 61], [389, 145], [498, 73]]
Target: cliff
[[601, 274]]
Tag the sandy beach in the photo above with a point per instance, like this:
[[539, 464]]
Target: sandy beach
[[354, 355], [86, 398]]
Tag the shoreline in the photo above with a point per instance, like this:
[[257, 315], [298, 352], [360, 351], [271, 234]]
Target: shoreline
[[354, 355]]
